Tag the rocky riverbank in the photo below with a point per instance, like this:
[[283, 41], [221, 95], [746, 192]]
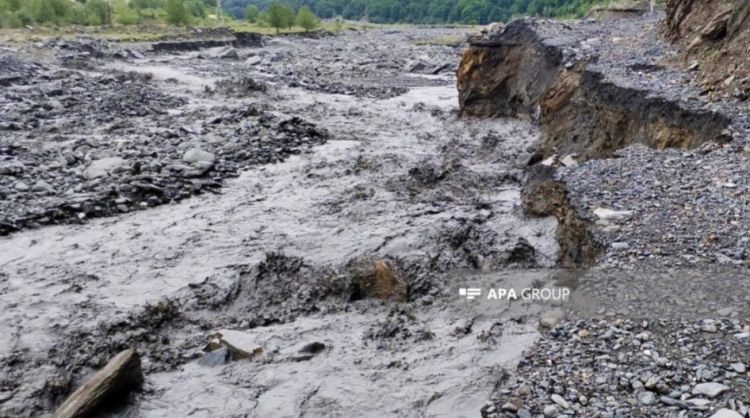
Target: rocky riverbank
[[598, 95], [642, 166]]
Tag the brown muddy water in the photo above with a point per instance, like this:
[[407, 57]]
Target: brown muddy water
[[401, 178]]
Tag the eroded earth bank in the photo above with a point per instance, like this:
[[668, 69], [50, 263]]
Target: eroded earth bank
[[281, 226]]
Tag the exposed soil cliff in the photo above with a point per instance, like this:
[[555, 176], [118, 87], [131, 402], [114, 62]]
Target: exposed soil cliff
[[531, 69], [716, 34], [543, 195]]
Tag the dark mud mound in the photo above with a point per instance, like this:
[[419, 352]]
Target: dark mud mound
[[400, 327], [211, 38], [241, 87], [281, 288], [16, 71]]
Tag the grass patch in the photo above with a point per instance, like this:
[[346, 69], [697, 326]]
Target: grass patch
[[153, 32]]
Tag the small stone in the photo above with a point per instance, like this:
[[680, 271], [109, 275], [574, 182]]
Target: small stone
[[509, 407], [619, 246], [651, 382], [42, 186], [196, 155], [610, 214], [551, 411], [21, 186], [738, 367], [726, 413], [215, 358], [569, 161], [523, 413], [559, 400], [708, 326], [240, 344], [254, 60], [5, 395], [103, 167], [549, 162], [11, 168], [711, 389], [228, 53], [551, 318], [523, 390], [725, 311], [646, 398]]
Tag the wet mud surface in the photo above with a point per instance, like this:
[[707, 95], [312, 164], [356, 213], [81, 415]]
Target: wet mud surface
[[348, 205]]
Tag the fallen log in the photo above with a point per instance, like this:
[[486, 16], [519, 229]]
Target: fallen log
[[107, 387]]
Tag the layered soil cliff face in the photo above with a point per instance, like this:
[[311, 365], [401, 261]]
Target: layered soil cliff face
[[543, 195], [527, 69], [716, 35]]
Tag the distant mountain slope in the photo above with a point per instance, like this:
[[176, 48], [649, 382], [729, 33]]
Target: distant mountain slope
[[430, 11]]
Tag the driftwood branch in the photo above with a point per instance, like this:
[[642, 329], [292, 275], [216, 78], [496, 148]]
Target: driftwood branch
[[108, 386]]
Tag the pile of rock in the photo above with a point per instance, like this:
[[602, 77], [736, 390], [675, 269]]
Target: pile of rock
[[625, 368], [120, 144]]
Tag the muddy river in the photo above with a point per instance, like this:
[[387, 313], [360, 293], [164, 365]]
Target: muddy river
[[400, 178]]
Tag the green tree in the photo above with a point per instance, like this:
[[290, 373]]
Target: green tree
[[177, 13], [307, 19], [289, 16], [251, 13], [277, 16]]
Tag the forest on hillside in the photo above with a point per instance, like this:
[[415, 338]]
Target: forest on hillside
[[428, 11], [17, 13]]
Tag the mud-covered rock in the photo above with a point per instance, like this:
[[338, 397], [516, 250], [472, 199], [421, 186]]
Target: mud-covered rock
[[378, 279]]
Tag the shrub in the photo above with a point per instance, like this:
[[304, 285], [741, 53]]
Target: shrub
[[124, 13], [177, 13]]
